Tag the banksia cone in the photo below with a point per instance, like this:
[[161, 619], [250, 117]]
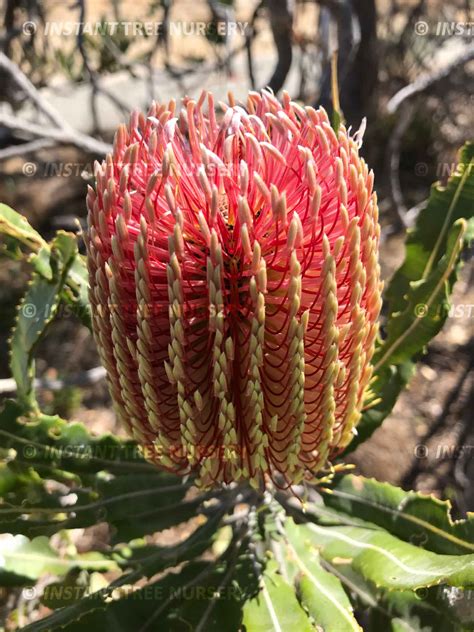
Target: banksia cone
[[235, 286]]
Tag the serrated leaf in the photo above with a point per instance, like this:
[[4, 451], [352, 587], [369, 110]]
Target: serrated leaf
[[385, 389], [76, 293], [203, 596], [31, 559], [427, 241], [426, 308], [320, 592], [36, 310], [408, 333], [387, 561], [417, 298], [420, 519], [15, 225], [276, 607], [84, 612], [110, 481], [422, 607], [41, 262], [48, 440]]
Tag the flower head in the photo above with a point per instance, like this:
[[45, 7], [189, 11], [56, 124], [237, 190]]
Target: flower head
[[235, 286]]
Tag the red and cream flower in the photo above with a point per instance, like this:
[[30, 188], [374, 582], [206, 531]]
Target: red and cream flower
[[235, 286]]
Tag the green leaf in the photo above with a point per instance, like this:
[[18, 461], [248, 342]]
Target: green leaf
[[41, 262], [387, 561], [76, 292], [438, 607], [320, 592], [427, 306], [31, 559], [420, 519], [427, 241], [201, 596], [429, 609], [275, 607], [15, 225], [131, 610], [109, 481], [52, 442], [214, 601], [36, 310], [417, 298], [85, 610], [409, 331], [388, 383]]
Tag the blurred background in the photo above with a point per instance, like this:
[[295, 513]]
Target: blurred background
[[70, 72]]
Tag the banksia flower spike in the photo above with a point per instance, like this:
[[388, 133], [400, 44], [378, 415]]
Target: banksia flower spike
[[235, 286]]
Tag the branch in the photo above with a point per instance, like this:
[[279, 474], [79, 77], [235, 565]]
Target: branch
[[341, 13], [426, 81], [25, 84], [281, 22], [61, 131], [93, 75], [64, 135], [25, 148], [86, 378], [393, 162]]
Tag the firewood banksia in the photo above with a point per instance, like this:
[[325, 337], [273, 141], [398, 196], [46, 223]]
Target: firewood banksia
[[235, 286]]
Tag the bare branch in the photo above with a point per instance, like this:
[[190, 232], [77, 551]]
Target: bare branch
[[25, 148], [87, 378], [66, 135], [426, 81], [25, 84], [281, 22], [393, 162], [62, 132]]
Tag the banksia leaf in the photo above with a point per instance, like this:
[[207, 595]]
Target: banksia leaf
[[418, 295], [411, 516], [386, 561], [36, 310], [235, 286], [15, 225]]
